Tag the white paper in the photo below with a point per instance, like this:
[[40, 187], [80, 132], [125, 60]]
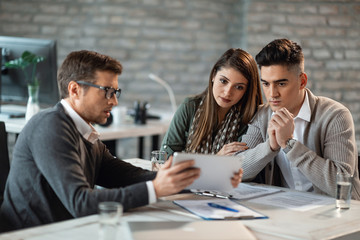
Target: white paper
[[298, 201], [202, 209], [246, 191]]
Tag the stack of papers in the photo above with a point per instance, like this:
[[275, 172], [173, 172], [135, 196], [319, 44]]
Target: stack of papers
[[246, 191], [297, 201], [242, 192], [267, 195], [218, 209]]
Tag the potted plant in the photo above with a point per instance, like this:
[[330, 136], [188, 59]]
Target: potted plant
[[26, 61]]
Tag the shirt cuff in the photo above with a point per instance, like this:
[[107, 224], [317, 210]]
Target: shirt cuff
[[151, 192]]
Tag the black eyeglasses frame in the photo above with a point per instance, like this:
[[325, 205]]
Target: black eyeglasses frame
[[108, 95]]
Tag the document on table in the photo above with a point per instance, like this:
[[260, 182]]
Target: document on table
[[247, 191], [298, 201], [227, 209], [242, 192]]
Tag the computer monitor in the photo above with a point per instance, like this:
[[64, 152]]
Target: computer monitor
[[13, 83]]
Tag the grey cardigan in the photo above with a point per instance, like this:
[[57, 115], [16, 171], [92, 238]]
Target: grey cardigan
[[329, 146], [54, 171]]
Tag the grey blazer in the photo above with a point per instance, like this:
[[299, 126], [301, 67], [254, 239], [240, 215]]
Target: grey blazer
[[54, 171], [329, 146]]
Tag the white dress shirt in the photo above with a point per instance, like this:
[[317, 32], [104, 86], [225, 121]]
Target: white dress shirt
[[293, 177], [90, 134]]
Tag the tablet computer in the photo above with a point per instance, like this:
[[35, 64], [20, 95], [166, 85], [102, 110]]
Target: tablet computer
[[215, 171]]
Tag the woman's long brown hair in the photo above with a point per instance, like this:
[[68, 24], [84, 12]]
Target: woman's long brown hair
[[243, 62]]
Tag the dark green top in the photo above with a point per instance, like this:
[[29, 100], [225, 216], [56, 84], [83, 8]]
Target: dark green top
[[176, 137]]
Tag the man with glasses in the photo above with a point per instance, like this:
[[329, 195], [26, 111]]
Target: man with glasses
[[58, 157]]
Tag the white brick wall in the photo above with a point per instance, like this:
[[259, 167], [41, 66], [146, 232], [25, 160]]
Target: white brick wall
[[181, 39], [328, 31]]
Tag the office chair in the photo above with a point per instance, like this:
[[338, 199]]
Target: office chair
[[4, 160]]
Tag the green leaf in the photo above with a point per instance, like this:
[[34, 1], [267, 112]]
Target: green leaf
[[31, 57], [17, 63], [27, 58]]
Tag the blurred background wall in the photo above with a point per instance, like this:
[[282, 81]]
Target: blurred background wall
[[180, 40]]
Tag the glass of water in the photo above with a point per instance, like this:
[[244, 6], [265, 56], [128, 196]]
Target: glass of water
[[343, 190], [109, 220], [158, 158]]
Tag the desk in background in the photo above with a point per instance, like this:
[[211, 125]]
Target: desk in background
[[109, 134], [153, 128]]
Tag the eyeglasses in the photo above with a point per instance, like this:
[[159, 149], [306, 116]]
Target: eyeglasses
[[109, 91]]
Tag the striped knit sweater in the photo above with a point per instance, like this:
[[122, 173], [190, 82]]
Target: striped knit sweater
[[329, 147]]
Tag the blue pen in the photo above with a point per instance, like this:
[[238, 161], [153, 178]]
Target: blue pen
[[215, 205]]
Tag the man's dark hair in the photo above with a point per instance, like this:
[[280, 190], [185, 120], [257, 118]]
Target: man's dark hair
[[82, 65], [281, 52]]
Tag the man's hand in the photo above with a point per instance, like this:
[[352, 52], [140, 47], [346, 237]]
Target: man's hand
[[232, 148], [236, 179], [272, 136], [282, 123], [172, 179]]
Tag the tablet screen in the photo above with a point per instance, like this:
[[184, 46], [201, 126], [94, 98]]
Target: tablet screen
[[215, 171]]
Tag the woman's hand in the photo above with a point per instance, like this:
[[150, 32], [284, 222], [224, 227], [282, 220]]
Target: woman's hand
[[232, 148], [236, 179]]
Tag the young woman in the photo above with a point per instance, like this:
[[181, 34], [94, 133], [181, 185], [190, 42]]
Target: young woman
[[214, 121]]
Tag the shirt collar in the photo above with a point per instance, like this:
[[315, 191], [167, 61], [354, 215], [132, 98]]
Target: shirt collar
[[85, 129], [305, 112]]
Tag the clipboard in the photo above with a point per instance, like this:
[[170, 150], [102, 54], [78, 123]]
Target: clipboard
[[215, 171], [202, 209]]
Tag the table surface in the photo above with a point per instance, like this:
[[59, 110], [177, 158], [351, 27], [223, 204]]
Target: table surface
[[325, 222]]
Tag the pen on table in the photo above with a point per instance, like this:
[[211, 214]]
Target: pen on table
[[206, 193], [215, 205]]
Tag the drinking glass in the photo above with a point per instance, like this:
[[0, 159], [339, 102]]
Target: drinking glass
[[158, 158], [343, 190], [109, 219]]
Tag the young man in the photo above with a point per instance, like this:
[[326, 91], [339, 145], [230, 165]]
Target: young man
[[298, 140], [58, 157]]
